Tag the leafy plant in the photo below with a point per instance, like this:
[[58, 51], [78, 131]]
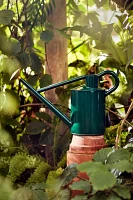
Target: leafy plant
[[110, 176], [6, 188], [23, 169], [52, 189]]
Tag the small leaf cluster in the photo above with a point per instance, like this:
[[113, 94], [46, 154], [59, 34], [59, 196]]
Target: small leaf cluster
[[110, 136]]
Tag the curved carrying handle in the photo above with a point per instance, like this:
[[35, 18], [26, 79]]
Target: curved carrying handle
[[116, 80]]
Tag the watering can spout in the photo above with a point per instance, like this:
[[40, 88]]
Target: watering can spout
[[62, 116]]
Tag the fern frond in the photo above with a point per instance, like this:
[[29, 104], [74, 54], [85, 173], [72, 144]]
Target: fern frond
[[62, 162], [4, 165], [19, 163], [40, 174]]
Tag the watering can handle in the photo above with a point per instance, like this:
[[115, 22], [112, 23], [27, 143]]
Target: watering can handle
[[116, 81]]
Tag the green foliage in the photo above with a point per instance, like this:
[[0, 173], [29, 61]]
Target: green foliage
[[5, 188], [81, 185], [107, 177], [57, 182], [23, 168], [108, 164], [110, 135], [40, 173], [35, 192], [35, 127], [45, 80], [4, 165], [19, 163], [47, 36]]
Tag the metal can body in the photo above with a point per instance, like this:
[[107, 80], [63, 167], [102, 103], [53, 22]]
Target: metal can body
[[88, 111]]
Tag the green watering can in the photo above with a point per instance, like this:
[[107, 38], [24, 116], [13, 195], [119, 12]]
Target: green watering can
[[87, 115]]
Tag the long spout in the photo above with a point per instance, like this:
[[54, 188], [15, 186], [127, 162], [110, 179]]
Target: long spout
[[62, 116]]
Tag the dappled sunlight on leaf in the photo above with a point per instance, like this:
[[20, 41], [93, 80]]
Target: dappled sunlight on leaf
[[8, 103], [5, 139], [5, 188], [9, 46], [6, 16], [9, 65]]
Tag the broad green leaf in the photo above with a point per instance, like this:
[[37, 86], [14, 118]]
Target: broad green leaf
[[102, 180], [10, 69], [26, 193], [122, 166], [39, 186], [81, 197], [5, 188], [9, 104], [101, 155], [21, 194], [39, 195], [98, 196], [117, 155], [6, 16], [113, 196], [10, 121], [32, 80], [69, 174], [5, 77], [5, 139], [81, 185], [55, 188], [43, 115], [109, 63], [91, 167], [62, 94], [24, 59], [35, 127], [9, 46], [93, 16], [35, 62], [122, 191], [47, 36], [96, 27], [46, 137], [63, 194], [45, 80]]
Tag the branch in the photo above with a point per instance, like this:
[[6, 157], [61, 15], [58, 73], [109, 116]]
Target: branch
[[121, 125], [119, 117]]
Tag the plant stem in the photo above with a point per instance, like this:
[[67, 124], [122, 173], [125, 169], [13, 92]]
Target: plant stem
[[119, 117], [121, 126]]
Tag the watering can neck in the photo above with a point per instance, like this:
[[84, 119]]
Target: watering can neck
[[92, 81]]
